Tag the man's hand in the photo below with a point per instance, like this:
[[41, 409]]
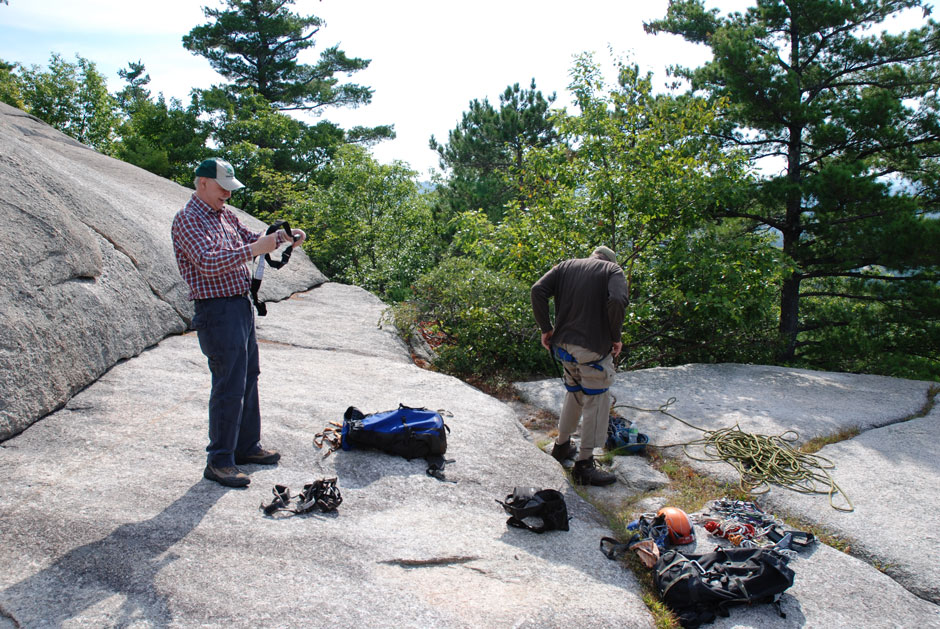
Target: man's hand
[[546, 338], [299, 237], [615, 351], [264, 244]]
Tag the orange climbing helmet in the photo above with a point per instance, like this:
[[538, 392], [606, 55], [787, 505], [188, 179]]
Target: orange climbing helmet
[[679, 525]]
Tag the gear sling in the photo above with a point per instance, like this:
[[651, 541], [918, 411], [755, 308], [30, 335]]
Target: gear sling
[[276, 264]]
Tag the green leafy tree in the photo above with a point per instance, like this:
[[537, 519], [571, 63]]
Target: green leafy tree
[[489, 143], [162, 137], [73, 98], [851, 113], [258, 140], [483, 319], [371, 226], [10, 91], [637, 172]]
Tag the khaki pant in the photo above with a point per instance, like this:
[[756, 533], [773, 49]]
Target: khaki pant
[[588, 398]]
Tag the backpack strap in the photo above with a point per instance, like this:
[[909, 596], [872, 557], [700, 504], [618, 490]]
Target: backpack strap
[[436, 464], [521, 524]]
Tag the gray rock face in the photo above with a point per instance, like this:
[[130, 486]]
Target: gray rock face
[[889, 472], [107, 521], [91, 278], [892, 476]]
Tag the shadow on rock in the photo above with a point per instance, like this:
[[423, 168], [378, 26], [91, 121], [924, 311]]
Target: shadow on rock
[[125, 563]]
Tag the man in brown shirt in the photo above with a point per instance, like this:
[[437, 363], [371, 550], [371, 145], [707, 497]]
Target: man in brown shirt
[[590, 299]]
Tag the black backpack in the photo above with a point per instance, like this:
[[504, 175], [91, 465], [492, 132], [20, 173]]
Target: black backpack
[[548, 505], [697, 588]]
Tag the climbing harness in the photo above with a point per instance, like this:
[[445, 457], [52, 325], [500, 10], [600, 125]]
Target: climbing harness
[[322, 494], [561, 357], [258, 275], [761, 460], [331, 437]]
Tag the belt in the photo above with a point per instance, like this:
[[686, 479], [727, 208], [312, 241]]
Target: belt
[[239, 296]]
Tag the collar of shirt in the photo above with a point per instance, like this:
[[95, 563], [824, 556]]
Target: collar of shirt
[[202, 206]]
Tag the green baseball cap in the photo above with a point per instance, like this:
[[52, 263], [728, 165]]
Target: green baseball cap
[[221, 171]]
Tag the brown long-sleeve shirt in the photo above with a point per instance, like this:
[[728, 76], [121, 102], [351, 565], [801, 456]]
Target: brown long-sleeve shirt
[[590, 300]]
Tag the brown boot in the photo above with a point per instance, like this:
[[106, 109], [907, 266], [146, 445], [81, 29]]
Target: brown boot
[[566, 450], [587, 472], [228, 476]]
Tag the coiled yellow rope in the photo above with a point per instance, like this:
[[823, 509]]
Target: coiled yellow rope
[[760, 460]]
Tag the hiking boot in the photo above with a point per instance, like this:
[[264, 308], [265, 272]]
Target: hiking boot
[[587, 472], [228, 476], [261, 457], [566, 450]]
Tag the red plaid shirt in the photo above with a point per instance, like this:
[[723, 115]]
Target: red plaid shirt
[[212, 250]]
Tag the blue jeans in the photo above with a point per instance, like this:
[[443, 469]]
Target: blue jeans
[[226, 330]]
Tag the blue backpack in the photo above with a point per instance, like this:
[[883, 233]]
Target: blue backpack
[[409, 432]]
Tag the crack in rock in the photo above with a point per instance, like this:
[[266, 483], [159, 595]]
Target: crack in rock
[[432, 561]]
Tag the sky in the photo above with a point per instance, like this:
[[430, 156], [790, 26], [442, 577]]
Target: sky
[[429, 58]]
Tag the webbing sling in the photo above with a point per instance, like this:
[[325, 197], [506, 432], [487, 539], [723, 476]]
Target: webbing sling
[[566, 357], [259, 270]]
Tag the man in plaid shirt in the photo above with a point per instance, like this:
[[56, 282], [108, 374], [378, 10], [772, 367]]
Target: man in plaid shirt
[[212, 250]]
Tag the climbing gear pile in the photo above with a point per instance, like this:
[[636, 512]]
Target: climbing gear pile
[[322, 494], [650, 533], [258, 275], [745, 524], [645, 548], [761, 460], [546, 506]]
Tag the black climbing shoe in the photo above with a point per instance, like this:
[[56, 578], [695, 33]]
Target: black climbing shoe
[[587, 472]]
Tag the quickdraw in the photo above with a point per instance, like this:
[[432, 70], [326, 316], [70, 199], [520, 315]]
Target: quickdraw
[[745, 524]]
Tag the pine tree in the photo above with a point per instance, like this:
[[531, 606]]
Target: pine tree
[[489, 143], [852, 115], [255, 44]]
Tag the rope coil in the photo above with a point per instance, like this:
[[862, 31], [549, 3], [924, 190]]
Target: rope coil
[[761, 460]]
